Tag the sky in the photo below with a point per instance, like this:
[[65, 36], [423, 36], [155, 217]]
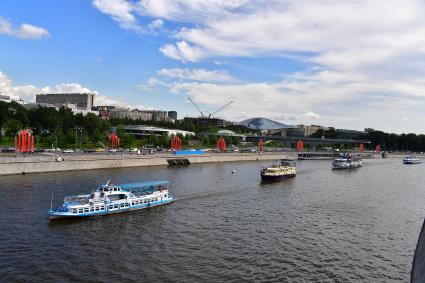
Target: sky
[[349, 64]]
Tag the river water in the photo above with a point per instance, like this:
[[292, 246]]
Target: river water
[[327, 226]]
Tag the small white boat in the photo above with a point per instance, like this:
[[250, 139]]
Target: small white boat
[[347, 162], [411, 160]]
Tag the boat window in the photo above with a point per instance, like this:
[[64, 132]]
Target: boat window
[[115, 189], [92, 209], [80, 211], [74, 210], [115, 205], [102, 207], [86, 209], [132, 203], [165, 196], [96, 208], [111, 206], [122, 205], [156, 199]]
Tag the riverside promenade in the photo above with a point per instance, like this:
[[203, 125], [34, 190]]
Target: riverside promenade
[[48, 162]]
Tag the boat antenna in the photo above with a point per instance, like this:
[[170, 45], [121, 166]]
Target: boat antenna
[[51, 202]]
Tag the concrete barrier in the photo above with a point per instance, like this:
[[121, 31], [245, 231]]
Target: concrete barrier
[[48, 163]]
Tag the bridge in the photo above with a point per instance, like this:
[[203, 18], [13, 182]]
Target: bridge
[[307, 140]]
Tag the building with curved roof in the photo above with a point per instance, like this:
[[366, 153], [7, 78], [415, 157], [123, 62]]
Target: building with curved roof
[[262, 124]]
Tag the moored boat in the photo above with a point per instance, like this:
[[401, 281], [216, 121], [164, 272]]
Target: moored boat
[[276, 172], [109, 198], [411, 160], [347, 161]]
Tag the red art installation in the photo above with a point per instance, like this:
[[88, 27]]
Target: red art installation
[[24, 141], [114, 141], [260, 145], [176, 143], [300, 145], [221, 145]]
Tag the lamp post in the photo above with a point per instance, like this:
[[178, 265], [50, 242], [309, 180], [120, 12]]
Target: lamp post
[[56, 141], [77, 128]]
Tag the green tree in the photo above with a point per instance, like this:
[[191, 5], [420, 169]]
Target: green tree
[[13, 126]]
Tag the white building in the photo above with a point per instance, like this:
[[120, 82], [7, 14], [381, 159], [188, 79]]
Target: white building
[[140, 130]]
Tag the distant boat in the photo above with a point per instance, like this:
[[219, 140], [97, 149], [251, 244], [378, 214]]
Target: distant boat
[[411, 160], [109, 198], [347, 161], [276, 172]]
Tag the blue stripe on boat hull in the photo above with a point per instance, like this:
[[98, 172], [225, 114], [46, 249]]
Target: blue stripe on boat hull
[[54, 215]]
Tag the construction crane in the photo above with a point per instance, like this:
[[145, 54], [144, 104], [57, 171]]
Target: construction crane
[[211, 114], [221, 108], [196, 106]]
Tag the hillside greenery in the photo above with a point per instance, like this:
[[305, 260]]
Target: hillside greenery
[[61, 128]]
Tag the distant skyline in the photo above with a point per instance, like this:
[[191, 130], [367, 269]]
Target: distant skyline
[[346, 64]]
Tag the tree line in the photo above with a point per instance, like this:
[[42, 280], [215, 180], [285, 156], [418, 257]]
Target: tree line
[[63, 128], [387, 141]]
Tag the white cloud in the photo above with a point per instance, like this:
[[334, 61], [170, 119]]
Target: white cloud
[[151, 85], [67, 88], [28, 92], [120, 11], [25, 31], [365, 59], [283, 27], [197, 75], [188, 11], [312, 115], [344, 100], [156, 24]]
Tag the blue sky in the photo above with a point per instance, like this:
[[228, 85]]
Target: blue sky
[[346, 64]]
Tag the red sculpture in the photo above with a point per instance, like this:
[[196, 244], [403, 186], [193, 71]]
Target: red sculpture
[[176, 143], [24, 141], [300, 145], [260, 145], [361, 147], [221, 145], [114, 141]]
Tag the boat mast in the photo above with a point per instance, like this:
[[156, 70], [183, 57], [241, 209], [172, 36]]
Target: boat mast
[[51, 202]]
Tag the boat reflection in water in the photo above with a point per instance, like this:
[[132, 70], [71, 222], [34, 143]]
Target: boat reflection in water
[[110, 198], [277, 172]]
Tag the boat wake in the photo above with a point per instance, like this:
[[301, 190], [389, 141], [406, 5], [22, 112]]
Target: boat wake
[[200, 195]]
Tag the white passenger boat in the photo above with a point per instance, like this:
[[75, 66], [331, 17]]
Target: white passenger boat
[[110, 198], [347, 161], [411, 160]]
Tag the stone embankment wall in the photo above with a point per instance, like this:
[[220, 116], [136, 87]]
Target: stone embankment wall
[[48, 163]]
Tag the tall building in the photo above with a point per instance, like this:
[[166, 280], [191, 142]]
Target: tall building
[[172, 115], [81, 100], [133, 114]]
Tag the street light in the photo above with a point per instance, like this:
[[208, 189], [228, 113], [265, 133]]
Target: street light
[[56, 138], [77, 128]]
